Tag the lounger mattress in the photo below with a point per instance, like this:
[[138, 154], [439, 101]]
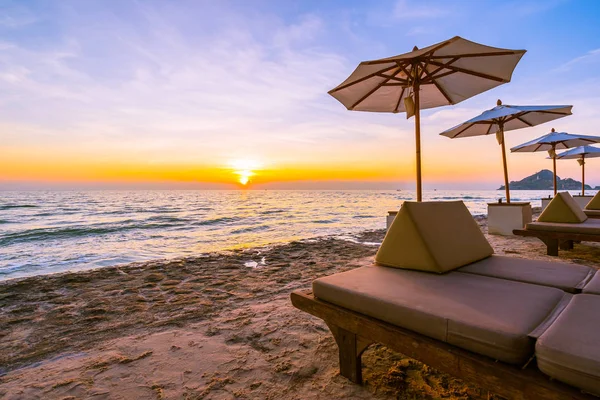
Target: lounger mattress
[[485, 315], [568, 277], [589, 227], [592, 213], [569, 350], [593, 286]]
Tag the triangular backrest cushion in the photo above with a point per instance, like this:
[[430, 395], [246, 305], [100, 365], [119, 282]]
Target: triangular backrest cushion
[[433, 236], [594, 203], [563, 208]]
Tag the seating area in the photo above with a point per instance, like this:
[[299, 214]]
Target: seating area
[[562, 223], [437, 293]]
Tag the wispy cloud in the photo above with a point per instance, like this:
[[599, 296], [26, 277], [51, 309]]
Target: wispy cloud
[[589, 57], [405, 9]]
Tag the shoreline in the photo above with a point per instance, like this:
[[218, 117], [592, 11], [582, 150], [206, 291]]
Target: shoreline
[[222, 252], [207, 327]]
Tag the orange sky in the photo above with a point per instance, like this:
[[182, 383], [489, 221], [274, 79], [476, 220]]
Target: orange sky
[[156, 94]]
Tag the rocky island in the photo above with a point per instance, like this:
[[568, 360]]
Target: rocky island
[[543, 180]]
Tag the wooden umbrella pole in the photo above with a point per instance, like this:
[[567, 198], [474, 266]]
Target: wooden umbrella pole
[[583, 175], [504, 163], [418, 137], [554, 166]]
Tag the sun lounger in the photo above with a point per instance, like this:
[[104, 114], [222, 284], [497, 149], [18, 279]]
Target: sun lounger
[[592, 209], [480, 328], [561, 224]]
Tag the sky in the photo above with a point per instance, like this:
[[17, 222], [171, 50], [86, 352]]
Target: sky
[[213, 94]]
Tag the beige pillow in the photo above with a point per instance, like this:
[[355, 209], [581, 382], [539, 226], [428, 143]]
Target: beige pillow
[[433, 236], [594, 203], [563, 208]]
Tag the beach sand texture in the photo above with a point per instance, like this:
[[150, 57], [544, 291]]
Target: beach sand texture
[[207, 327]]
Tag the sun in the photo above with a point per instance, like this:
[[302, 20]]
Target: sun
[[244, 176], [244, 169]]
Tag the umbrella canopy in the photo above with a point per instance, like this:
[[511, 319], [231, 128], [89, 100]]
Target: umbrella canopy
[[580, 154], [553, 141], [444, 73], [505, 118]]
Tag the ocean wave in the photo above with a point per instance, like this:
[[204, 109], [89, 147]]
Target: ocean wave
[[216, 221], [11, 206], [268, 212], [40, 234], [166, 218], [359, 216], [324, 221], [251, 229]]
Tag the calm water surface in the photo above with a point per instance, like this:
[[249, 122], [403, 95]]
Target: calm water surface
[[52, 231]]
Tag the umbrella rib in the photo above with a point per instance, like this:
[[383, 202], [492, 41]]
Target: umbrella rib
[[466, 71], [399, 99], [393, 78], [437, 85], [364, 78], [443, 74], [553, 112], [497, 53], [464, 129], [525, 122], [441, 68], [489, 128], [370, 92]]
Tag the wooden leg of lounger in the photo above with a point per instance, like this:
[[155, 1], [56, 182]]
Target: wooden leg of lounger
[[350, 348], [551, 245], [566, 245]]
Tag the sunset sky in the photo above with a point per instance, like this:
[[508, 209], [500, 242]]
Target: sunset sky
[[206, 94]]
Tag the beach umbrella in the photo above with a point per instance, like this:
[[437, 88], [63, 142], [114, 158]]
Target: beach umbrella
[[580, 154], [555, 141], [444, 73], [506, 118]]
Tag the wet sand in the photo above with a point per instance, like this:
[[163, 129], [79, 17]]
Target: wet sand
[[216, 326]]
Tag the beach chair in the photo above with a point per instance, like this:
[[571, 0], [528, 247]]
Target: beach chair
[[592, 209], [561, 223], [436, 293]]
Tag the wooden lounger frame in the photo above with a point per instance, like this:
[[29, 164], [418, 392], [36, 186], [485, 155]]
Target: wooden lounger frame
[[354, 332], [553, 240]]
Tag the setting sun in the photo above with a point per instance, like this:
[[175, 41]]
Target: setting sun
[[244, 169]]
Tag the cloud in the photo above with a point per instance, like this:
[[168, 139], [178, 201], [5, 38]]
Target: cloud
[[589, 57], [405, 9], [167, 89]]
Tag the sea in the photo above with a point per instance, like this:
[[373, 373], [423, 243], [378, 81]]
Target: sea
[[44, 232]]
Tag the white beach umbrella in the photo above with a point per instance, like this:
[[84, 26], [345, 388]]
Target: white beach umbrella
[[580, 154], [555, 141], [444, 73], [505, 118]]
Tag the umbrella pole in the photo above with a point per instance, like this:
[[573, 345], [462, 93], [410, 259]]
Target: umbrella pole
[[504, 163], [418, 139], [554, 167], [582, 175]]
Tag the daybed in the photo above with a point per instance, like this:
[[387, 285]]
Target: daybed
[[561, 224], [437, 294]]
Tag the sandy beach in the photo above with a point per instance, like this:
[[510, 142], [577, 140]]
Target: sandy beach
[[215, 326]]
